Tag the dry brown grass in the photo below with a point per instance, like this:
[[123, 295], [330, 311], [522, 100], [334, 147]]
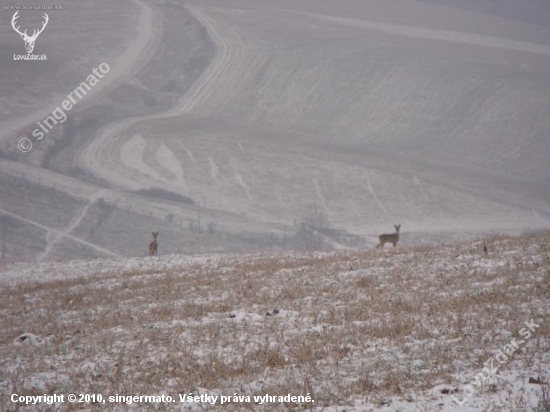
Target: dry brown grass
[[352, 325]]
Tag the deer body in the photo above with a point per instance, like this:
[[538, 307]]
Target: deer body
[[389, 238], [153, 246]]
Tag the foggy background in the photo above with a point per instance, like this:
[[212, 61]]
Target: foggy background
[[248, 126]]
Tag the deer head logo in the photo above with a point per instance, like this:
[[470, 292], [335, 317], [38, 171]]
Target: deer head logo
[[29, 40]]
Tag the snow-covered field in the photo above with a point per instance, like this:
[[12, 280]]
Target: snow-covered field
[[433, 114], [278, 125], [405, 329], [368, 118]]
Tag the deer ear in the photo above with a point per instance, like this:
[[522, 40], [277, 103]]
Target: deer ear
[[23, 36]]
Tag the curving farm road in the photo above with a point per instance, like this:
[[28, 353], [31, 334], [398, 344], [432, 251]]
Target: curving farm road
[[102, 156], [136, 53], [126, 160]]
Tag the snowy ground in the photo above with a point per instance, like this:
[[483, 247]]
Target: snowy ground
[[369, 119], [406, 329], [376, 112]]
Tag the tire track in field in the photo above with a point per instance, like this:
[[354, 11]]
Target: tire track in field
[[102, 156], [376, 198], [60, 233], [57, 236], [416, 32], [131, 58], [320, 195]]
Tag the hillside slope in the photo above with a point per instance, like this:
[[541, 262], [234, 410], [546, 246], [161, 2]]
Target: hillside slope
[[433, 114], [374, 111]]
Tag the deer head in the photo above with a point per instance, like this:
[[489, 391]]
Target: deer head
[[29, 40]]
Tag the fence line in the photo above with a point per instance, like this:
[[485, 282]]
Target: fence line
[[176, 220], [118, 203]]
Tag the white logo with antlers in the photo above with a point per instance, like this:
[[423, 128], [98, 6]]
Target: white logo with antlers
[[29, 40]]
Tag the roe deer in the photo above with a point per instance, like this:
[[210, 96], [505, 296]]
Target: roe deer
[[389, 238], [153, 245]]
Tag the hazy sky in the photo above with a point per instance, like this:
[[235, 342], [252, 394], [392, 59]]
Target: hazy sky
[[528, 11]]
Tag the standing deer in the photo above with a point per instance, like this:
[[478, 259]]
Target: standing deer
[[153, 246], [29, 40], [389, 238]]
